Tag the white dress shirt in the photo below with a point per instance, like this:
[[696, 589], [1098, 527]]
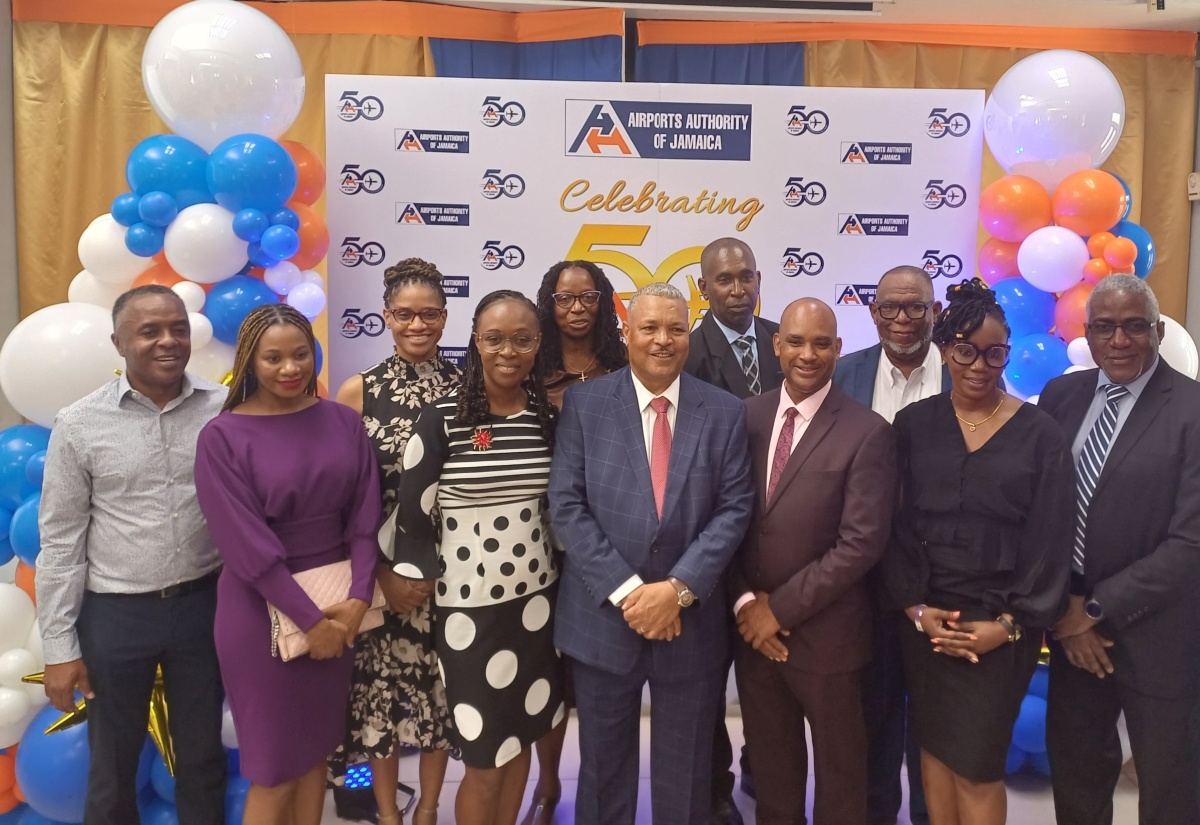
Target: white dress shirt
[[805, 411], [649, 416], [894, 392], [1124, 408]]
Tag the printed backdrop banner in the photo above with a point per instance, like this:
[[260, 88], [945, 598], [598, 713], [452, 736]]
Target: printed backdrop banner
[[496, 180]]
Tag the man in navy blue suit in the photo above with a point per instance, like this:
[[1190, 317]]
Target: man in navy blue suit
[[651, 494], [888, 376]]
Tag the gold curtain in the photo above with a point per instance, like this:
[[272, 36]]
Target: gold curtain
[[80, 109], [1154, 154]]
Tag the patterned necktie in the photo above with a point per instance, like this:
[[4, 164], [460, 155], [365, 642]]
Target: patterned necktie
[[660, 451], [783, 449], [1091, 462], [749, 368]]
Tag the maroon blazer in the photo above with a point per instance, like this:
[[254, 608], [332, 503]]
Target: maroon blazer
[[825, 527]]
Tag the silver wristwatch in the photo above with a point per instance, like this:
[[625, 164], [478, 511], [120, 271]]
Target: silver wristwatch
[[685, 594]]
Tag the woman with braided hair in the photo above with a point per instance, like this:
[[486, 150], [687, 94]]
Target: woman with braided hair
[[471, 523], [397, 698], [287, 483], [979, 558]]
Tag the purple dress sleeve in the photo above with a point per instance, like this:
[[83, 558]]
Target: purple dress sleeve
[[363, 516], [249, 548]]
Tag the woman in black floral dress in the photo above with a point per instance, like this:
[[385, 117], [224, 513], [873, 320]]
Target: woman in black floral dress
[[397, 697]]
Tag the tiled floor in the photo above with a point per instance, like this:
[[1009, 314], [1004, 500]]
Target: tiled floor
[[1028, 797]]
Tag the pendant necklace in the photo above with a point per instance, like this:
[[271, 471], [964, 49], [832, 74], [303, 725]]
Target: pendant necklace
[[971, 425], [582, 372]]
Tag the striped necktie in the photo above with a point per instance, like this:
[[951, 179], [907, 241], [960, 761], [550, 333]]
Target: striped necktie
[[746, 344], [1091, 462]]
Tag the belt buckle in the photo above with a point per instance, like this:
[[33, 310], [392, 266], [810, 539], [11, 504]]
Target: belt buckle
[[169, 592]]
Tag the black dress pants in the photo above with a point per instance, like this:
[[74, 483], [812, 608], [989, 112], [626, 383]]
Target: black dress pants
[[124, 639]]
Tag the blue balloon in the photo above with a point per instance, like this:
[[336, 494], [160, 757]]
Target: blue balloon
[[5, 521], [1015, 759], [52, 769], [1026, 308], [125, 209], [280, 242], [6, 551], [17, 445], [161, 779], [251, 172], [145, 762], [171, 164], [31, 817], [1128, 196], [1039, 685], [235, 799], [285, 217], [144, 240], [320, 357], [1035, 359], [233, 761], [35, 469], [13, 817], [157, 209], [23, 531], [159, 812], [230, 301], [1029, 733], [1039, 763], [259, 258], [250, 224], [1144, 243]]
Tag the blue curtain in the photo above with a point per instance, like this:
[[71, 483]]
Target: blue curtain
[[760, 64], [589, 58]]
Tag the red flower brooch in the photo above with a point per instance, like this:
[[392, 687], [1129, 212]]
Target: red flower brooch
[[482, 439]]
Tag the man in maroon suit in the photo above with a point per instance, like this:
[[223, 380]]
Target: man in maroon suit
[[824, 468]]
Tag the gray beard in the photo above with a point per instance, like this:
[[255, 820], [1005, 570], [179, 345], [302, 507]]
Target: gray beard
[[911, 349]]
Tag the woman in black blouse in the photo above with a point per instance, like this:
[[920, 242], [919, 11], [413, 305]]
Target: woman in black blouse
[[979, 559]]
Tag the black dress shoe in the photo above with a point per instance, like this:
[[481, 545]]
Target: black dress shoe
[[726, 813]]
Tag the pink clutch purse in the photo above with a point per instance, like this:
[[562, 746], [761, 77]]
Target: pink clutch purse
[[326, 586]]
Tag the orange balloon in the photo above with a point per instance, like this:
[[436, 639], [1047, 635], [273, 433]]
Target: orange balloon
[[24, 579], [314, 236], [8, 773], [1096, 270], [1089, 201], [159, 274], [1128, 270], [1013, 207], [322, 390], [1070, 313], [256, 272], [1120, 253], [17, 792], [310, 172], [8, 801], [1097, 242], [998, 260]]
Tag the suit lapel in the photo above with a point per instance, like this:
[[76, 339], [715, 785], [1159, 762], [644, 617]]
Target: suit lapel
[[1154, 397], [818, 428], [623, 408], [726, 363], [1075, 408], [685, 441]]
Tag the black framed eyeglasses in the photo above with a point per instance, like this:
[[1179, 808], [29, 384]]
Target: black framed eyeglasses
[[566, 300], [915, 311], [406, 316], [966, 354], [1133, 328], [494, 342]]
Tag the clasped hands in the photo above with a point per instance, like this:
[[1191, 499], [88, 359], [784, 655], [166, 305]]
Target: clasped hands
[[334, 634], [966, 640], [761, 630], [652, 610], [1085, 648]]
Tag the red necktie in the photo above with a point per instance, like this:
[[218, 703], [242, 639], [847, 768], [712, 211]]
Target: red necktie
[[783, 449], [660, 451]]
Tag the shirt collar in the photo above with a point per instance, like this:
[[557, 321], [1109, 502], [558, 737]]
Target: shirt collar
[[807, 408], [644, 396], [927, 368], [732, 335], [1135, 386], [191, 384]]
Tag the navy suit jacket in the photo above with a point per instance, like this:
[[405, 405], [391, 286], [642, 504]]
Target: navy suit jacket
[[855, 374], [602, 506]]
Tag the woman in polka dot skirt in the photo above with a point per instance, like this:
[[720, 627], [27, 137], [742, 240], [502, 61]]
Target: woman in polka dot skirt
[[476, 471]]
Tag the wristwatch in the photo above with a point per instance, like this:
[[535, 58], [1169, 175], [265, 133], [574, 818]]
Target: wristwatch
[[686, 596], [1013, 629], [1093, 610]]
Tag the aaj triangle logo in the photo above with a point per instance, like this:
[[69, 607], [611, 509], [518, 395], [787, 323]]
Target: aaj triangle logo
[[854, 154], [851, 226]]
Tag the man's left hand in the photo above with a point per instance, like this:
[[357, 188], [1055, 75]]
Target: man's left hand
[[761, 630], [1075, 622], [651, 608]]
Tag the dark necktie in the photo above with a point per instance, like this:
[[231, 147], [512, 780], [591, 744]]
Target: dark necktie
[[1091, 462], [783, 449], [749, 368]]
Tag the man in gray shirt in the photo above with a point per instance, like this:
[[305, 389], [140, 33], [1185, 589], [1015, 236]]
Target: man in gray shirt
[[126, 578]]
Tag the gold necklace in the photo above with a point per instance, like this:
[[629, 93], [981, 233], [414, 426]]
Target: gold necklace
[[582, 372], [977, 423]]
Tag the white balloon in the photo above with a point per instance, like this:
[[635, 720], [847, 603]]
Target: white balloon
[[200, 244], [1033, 399], [202, 329], [212, 361], [1178, 349], [192, 295], [14, 705], [86, 288], [1052, 258], [283, 276], [16, 617], [1052, 114], [16, 664], [103, 253], [308, 298], [8, 570], [215, 68], [311, 276], [228, 732], [56, 356], [1080, 353]]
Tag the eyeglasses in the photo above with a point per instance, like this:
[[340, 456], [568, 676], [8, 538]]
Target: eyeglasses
[[566, 300], [1135, 328], [889, 312], [966, 354], [493, 342], [406, 316]]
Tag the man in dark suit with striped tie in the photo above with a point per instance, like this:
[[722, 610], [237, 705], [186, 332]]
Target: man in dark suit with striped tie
[[1131, 638]]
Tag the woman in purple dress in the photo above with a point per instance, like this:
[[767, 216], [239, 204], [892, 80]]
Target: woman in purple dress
[[287, 482]]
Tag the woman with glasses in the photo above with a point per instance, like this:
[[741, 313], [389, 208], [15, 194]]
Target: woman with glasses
[[471, 523], [979, 558], [581, 339], [397, 698]]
